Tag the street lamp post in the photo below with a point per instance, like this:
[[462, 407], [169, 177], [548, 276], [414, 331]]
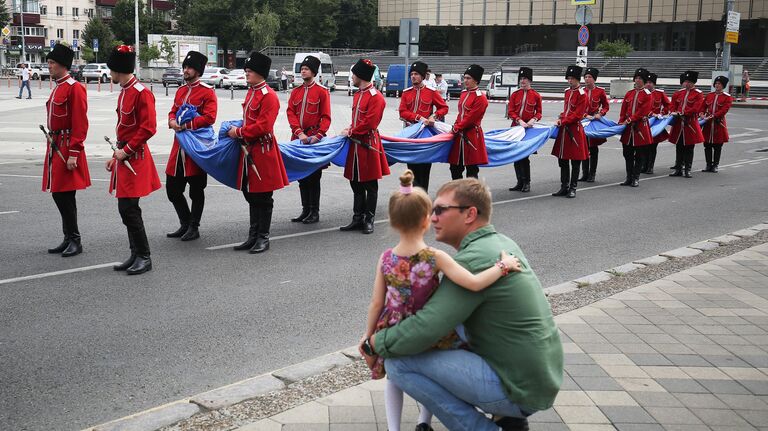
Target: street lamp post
[[136, 36], [23, 43]]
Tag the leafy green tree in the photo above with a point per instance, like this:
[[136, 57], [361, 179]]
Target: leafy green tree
[[5, 15], [148, 53], [263, 26], [167, 50], [97, 29], [122, 23], [615, 49]]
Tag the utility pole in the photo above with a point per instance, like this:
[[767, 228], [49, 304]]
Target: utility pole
[[727, 45], [136, 36], [23, 42]]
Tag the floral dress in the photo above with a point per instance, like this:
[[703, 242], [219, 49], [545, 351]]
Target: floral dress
[[410, 282]]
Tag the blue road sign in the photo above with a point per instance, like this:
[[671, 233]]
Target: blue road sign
[[53, 43], [583, 35], [95, 45]]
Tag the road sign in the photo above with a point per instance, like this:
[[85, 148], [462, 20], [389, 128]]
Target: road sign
[[53, 43], [582, 2], [402, 50], [6, 31], [409, 30], [95, 45], [581, 56], [732, 36], [583, 35], [583, 15], [733, 21], [74, 45]]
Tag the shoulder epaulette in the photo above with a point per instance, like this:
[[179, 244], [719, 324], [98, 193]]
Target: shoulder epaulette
[[71, 81], [265, 90], [647, 91], [139, 87], [372, 91], [203, 84]]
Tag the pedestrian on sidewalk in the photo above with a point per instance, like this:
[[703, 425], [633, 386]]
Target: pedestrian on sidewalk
[[716, 105], [744, 85], [515, 366], [24, 81], [284, 80], [407, 275]]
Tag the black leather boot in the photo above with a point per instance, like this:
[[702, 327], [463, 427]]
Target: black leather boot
[[305, 203], [178, 233], [519, 169], [517, 188], [635, 181], [142, 263], [714, 168], [572, 189], [627, 181], [649, 168], [678, 172], [253, 230], [564, 179], [74, 247], [61, 247], [192, 232], [368, 223], [313, 217], [262, 238], [563, 190], [127, 264], [526, 187], [358, 207], [584, 170], [687, 173]]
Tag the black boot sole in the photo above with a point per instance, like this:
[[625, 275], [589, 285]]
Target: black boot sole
[[72, 253], [244, 246], [142, 271], [191, 237]]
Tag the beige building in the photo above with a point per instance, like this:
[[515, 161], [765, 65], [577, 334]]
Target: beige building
[[499, 27]]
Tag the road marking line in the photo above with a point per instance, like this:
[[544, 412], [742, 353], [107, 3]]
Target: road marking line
[[55, 273], [8, 212], [103, 180], [754, 141], [741, 135]]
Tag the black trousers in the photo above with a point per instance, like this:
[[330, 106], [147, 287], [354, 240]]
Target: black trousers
[[260, 212], [712, 153], [523, 170], [130, 212], [634, 159], [421, 174], [309, 188], [589, 166], [174, 188], [366, 195], [569, 178], [457, 171], [67, 205], [683, 155], [651, 159]]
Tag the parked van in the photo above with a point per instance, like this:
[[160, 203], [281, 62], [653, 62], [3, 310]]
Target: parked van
[[497, 90], [326, 75], [397, 80]]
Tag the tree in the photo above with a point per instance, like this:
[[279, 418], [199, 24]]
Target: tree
[[263, 26], [5, 16], [148, 53], [618, 48], [324, 28], [167, 50], [97, 29], [224, 19], [122, 23]]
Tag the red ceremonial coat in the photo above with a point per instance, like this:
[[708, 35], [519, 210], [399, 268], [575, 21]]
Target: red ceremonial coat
[[524, 105], [136, 123], [469, 142], [571, 142], [260, 111], [716, 130], [418, 102], [67, 109], [689, 103], [597, 103], [309, 111], [660, 104], [203, 97], [636, 107], [362, 163]]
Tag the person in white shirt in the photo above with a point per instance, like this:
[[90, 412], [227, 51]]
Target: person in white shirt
[[430, 81], [24, 82], [441, 86]]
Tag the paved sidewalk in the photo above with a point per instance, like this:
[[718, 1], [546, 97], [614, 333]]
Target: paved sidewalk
[[686, 352]]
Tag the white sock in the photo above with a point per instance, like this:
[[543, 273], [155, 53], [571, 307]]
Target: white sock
[[425, 416], [393, 402]]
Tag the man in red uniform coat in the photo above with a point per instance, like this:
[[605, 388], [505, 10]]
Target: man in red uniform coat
[[136, 123], [597, 107], [524, 109], [716, 105], [66, 168], [571, 142], [687, 103], [420, 103], [366, 161], [180, 169], [309, 115], [468, 148], [261, 165], [659, 107], [636, 136]]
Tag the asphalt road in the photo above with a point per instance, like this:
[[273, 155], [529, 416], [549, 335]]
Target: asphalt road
[[81, 348]]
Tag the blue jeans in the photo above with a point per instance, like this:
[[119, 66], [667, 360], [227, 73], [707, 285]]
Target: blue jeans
[[21, 89], [451, 383]]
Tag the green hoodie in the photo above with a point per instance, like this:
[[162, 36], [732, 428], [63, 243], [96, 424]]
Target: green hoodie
[[509, 324]]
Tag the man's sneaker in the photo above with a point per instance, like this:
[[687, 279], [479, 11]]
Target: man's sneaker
[[512, 424], [423, 427]]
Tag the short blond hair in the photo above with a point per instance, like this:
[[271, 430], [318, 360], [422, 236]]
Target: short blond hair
[[407, 211], [470, 192]]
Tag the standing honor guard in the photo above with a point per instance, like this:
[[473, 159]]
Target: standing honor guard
[[571, 142], [309, 115], [180, 169], [468, 148], [133, 171], [66, 168], [524, 109], [261, 169], [636, 136], [597, 107], [659, 106], [366, 161], [420, 103], [686, 132], [716, 105]]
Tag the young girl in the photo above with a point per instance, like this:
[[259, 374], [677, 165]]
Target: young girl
[[407, 275]]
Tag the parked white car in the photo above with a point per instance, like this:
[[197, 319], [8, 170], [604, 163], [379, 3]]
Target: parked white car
[[36, 71], [235, 78], [96, 72], [214, 76]]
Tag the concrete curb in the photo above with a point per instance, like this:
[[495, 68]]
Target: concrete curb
[[169, 414]]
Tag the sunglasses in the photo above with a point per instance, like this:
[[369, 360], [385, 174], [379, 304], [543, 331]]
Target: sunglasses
[[439, 209]]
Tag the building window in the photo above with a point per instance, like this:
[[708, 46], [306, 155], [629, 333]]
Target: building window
[[43, 10], [75, 11], [76, 34], [59, 10], [60, 33], [90, 13]]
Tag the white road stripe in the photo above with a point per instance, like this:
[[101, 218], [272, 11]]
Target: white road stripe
[[103, 180], [755, 140], [55, 273], [740, 135], [8, 212], [527, 198]]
